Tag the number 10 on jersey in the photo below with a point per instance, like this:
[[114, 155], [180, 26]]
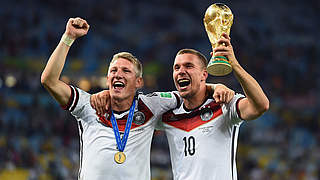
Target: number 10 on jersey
[[189, 146]]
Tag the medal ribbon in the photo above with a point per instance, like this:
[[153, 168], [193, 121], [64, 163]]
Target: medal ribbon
[[122, 143]]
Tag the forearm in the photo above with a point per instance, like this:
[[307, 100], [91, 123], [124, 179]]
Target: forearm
[[55, 64], [75, 28], [51, 74], [257, 100]]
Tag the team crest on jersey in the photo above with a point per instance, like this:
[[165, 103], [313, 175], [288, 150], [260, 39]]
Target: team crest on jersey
[[139, 118], [206, 114]]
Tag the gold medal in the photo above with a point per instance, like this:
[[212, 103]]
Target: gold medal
[[119, 157]]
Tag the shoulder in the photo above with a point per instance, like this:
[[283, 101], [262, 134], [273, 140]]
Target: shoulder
[[161, 96], [161, 101], [79, 101]]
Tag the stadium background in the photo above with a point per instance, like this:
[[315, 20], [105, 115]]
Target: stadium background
[[276, 41]]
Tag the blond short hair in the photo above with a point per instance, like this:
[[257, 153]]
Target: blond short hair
[[128, 56], [195, 52]]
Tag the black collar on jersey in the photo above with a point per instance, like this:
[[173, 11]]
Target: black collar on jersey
[[120, 112], [141, 106], [188, 110], [136, 97], [170, 116]]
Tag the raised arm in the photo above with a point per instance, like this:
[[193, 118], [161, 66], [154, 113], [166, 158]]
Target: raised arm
[[50, 78], [256, 102]]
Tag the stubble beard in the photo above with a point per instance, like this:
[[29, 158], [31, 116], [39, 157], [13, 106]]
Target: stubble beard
[[188, 95]]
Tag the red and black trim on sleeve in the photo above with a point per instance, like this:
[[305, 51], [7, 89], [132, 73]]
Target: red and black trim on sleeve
[[73, 100], [178, 99], [237, 107]]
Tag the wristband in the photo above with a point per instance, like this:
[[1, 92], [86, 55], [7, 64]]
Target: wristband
[[67, 40]]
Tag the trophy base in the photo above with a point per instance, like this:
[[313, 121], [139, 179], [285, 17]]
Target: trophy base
[[219, 66]]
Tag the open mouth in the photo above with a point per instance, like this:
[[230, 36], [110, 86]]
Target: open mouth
[[183, 82], [118, 85]]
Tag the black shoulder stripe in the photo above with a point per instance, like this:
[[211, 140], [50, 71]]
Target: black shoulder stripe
[[81, 147], [232, 149]]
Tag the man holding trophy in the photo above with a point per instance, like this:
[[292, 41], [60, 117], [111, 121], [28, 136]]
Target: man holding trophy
[[203, 138]]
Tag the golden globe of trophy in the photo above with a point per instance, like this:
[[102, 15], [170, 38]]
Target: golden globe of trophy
[[217, 20]]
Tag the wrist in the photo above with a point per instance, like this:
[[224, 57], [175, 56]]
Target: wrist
[[236, 67], [213, 86], [67, 40]]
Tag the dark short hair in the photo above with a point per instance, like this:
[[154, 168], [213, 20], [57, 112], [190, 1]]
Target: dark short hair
[[195, 52]]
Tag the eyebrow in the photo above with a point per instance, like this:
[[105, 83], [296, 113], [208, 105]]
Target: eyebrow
[[188, 63]]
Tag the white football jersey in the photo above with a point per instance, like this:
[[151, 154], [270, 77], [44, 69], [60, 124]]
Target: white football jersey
[[203, 141], [97, 140]]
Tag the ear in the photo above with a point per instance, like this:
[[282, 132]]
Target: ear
[[139, 82], [204, 75], [107, 82]]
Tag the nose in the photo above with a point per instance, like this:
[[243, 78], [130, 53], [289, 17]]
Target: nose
[[181, 70], [118, 74]]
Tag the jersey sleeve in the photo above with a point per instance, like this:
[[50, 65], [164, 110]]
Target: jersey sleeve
[[232, 110], [162, 102], [79, 103], [167, 101]]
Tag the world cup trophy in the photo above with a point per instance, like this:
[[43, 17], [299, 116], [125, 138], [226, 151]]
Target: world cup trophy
[[217, 20]]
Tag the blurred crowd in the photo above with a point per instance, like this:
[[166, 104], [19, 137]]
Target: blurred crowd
[[275, 41]]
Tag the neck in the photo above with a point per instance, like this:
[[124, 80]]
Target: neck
[[121, 104], [196, 100]]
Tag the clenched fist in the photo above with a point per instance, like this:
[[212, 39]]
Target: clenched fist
[[76, 27]]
